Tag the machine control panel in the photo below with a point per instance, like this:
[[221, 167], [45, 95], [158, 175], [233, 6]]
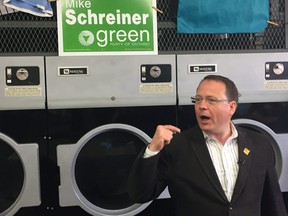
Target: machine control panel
[[276, 70], [159, 73], [18, 76]]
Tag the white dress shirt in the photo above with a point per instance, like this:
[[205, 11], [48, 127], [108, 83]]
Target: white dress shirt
[[225, 160]]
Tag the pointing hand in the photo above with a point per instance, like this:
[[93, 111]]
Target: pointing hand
[[162, 136]]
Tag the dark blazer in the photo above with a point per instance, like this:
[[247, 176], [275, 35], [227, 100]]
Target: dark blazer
[[186, 168]]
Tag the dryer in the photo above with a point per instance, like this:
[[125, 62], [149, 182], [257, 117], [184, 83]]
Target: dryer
[[22, 131], [101, 112], [262, 80]]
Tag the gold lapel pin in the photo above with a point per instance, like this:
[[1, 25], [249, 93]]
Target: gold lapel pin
[[246, 151]]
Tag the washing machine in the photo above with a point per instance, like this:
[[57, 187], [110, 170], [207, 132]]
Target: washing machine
[[262, 81], [22, 143], [102, 111]]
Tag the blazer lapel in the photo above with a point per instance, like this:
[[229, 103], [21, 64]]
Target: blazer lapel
[[245, 153], [199, 146]]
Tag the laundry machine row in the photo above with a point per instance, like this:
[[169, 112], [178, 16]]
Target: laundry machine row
[[72, 126]]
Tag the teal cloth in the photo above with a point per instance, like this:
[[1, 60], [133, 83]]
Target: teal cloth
[[222, 16]]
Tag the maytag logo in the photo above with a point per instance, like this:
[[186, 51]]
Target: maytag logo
[[203, 68], [72, 71]]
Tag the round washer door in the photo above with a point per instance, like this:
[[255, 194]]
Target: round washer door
[[94, 171], [269, 133], [19, 182]]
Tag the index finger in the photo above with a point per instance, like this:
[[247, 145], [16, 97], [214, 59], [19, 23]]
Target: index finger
[[173, 128]]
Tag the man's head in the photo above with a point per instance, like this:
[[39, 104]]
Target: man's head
[[215, 103]]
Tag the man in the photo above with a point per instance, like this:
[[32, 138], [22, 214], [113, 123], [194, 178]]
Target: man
[[213, 169]]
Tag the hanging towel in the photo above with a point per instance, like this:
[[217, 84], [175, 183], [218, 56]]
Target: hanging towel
[[222, 16], [36, 7]]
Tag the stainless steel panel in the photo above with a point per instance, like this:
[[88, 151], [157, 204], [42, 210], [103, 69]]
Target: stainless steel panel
[[22, 83], [112, 81], [246, 70]]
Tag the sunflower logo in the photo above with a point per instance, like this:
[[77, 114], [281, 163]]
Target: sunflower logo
[[86, 38]]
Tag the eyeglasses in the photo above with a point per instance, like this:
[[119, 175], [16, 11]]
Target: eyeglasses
[[209, 100]]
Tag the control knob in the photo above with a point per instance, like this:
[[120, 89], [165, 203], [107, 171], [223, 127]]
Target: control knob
[[278, 68], [155, 71]]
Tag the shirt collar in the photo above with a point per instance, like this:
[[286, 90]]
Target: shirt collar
[[233, 130]]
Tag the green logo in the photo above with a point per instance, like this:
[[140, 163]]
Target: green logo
[[86, 38]]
